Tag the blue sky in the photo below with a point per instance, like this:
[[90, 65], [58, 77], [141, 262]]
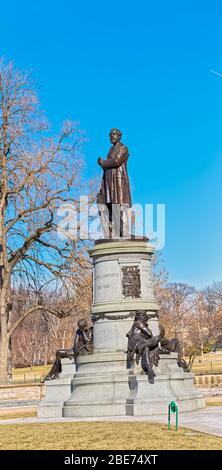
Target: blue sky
[[143, 67]]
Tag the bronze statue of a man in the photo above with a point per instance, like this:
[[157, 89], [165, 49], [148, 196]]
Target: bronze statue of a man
[[114, 197], [142, 343], [83, 345], [148, 348]]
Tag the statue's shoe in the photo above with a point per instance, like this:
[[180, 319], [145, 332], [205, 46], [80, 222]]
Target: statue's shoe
[[151, 376]]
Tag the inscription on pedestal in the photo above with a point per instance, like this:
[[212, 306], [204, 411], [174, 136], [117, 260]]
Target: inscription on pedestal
[[103, 276], [107, 282]]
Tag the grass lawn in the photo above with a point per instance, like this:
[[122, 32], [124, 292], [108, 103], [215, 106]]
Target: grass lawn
[[207, 368], [28, 374], [213, 403], [103, 435], [212, 364], [17, 413]]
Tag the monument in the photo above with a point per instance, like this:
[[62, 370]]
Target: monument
[[134, 370]]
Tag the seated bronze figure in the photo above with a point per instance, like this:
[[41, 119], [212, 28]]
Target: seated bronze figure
[[142, 343], [83, 345], [173, 345], [148, 348]]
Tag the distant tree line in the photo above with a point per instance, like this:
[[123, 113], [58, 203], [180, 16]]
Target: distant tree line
[[193, 316]]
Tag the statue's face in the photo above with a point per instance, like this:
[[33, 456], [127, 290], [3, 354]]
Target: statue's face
[[82, 324], [114, 136], [139, 316]]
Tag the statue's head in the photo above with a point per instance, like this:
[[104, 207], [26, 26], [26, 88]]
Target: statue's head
[[141, 315], [115, 135], [82, 324]]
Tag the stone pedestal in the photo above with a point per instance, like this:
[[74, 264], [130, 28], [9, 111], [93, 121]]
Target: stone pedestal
[[171, 384], [102, 384], [57, 391]]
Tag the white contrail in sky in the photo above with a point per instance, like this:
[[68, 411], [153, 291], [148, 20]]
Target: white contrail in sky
[[216, 73]]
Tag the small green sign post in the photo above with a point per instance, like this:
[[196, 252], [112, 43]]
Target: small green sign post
[[173, 407]]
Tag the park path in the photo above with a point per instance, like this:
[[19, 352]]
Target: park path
[[208, 420]]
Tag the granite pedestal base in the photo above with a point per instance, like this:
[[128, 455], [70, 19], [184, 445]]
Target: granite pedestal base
[[171, 384], [103, 386], [57, 391]]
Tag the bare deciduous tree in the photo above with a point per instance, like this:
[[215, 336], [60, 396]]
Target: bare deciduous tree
[[176, 302], [37, 173]]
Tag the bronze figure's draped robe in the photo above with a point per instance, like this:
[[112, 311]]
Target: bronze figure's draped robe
[[115, 188], [114, 198]]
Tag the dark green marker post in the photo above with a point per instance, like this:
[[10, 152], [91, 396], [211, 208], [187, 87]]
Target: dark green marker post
[[173, 407]]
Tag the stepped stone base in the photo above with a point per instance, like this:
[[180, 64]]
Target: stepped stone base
[[104, 387], [57, 391]]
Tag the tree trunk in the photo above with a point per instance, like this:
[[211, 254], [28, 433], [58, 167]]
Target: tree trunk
[[191, 360], [202, 351], [4, 350], [4, 334]]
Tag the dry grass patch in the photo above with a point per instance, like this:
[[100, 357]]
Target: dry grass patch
[[28, 374], [213, 403], [19, 413], [103, 435]]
